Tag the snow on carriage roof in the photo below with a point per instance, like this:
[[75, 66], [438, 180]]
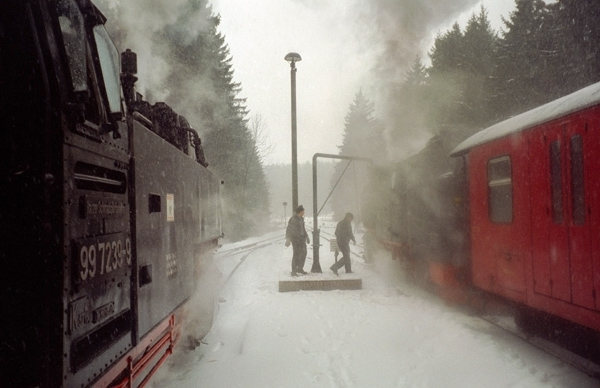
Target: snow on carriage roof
[[580, 99]]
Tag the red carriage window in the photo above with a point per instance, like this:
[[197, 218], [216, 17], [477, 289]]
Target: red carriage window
[[577, 186], [556, 182], [500, 190]]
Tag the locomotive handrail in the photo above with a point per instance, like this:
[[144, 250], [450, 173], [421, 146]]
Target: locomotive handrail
[[140, 117], [97, 179]]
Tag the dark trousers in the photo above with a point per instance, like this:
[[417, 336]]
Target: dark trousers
[[345, 260], [299, 256]]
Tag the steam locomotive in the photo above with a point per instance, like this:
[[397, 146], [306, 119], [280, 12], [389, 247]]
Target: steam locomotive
[[107, 211], [517, 217]]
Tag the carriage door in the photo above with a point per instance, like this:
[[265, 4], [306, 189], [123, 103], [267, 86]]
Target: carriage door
[[561, 237], [578, 213], [551, 269]]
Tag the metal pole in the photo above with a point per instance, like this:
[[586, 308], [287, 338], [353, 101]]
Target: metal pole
[[294, 141], [316, 267], [316, 232]]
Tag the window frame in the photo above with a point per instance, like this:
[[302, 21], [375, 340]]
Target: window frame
[[497, 191], [578, 203], [556, 182]]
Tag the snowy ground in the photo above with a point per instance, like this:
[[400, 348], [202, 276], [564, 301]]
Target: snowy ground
[[388, 334]]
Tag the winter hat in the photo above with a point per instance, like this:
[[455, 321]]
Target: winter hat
[[299, 209]]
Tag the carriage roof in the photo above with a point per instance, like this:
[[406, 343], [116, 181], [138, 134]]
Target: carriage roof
[[563, 106]]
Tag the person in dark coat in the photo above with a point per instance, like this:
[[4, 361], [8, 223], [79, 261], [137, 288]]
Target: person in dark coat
[[297, 236], [343, 234]]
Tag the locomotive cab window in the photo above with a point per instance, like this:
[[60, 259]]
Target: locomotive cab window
[[109, 65], [73, 30], [93, 63], [500, 190]]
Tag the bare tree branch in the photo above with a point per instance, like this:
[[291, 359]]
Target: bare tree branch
[[258, 130]]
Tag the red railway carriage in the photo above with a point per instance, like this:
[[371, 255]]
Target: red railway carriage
[[534, 192]]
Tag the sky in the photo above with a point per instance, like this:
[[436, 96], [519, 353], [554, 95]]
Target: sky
[[346, 46], [388, 334]]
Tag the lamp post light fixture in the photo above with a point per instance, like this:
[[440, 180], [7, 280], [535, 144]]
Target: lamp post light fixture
[[292, 58]]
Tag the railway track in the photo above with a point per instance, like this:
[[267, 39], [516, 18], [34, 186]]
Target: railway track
[[247, 249], [503, 322], [571, 358]]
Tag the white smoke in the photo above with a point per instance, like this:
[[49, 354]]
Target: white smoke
[[137, 24]]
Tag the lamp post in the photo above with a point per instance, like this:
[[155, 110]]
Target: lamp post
[[292, 58]]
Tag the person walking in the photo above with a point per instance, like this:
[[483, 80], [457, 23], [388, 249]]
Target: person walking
[[297, 236], [343, 234]]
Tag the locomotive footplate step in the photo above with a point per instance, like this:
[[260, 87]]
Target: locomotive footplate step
[[320, 282]]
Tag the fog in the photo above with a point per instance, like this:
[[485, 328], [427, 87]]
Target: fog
[[148, 28], [346, 46], [388, 334]]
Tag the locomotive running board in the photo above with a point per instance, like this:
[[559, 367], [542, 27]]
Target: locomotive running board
[[305, 283]]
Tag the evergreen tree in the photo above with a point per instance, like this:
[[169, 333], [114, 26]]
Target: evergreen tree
[[447, 54], [480, 44], [363, 137], [194, 75], [525, 55], [416, 76], [579, 39], [447, 76], [547, 52], [462, 69], [231, 149], [409, 102]]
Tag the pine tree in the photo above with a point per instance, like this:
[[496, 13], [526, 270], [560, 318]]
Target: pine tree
[[461, 74], [194, 75], [446, 77], [579, 39], [408, 111], [525, 55], [232, 149], [363, 138], [547, 51], [447, 54], [480, 44]]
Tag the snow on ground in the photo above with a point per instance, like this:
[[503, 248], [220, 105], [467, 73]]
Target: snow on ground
[[388, 334]]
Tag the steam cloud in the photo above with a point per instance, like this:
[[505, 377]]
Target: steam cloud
[[141, 25], [401, 30], [393, 31]]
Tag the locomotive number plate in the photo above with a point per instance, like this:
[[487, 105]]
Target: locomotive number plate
[[98, 256]]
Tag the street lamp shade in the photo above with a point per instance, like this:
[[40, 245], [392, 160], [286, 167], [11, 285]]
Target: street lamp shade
[[293, 57]]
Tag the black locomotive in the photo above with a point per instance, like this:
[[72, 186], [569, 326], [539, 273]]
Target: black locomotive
[[107, 207]]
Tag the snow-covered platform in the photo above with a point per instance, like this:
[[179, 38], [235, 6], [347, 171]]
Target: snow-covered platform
[[320, 282]]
